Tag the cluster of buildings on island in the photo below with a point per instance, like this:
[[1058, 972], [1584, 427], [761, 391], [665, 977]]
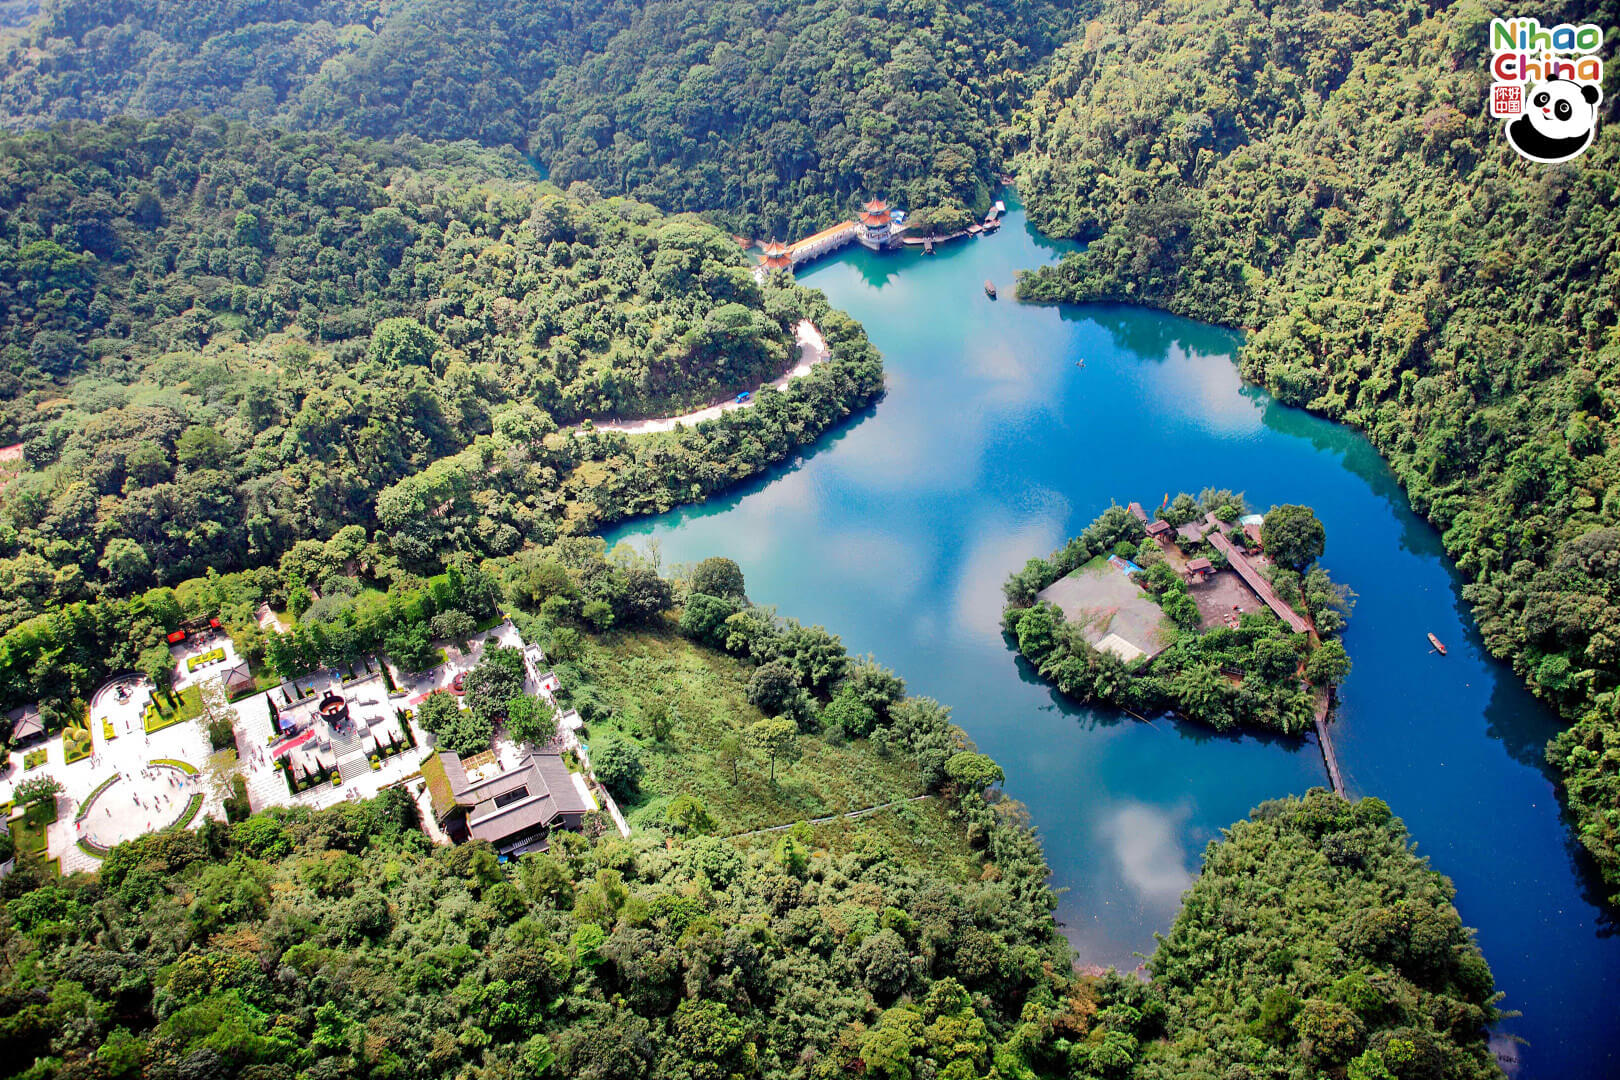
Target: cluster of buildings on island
[[1116, 615], [878, 227]]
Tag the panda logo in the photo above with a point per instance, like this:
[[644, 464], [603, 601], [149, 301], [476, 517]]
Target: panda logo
[[1558, 121]]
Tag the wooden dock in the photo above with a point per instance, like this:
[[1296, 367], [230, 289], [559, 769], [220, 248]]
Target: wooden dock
[[1324, 699], [918, 241]]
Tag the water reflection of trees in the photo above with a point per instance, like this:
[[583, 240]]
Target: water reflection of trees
[[1150, 334]]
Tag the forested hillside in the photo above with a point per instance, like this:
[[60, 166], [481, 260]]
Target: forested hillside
[[1329, 179], [1314, 943], [343, 944], [913, 942], [222, 340], [777, 117]]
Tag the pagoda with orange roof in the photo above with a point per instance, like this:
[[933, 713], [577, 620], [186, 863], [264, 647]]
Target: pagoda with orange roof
[[776, 257], [876, 226]]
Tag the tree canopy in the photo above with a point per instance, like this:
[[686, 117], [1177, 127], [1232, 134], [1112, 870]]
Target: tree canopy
[[777, 117], [237, 365]]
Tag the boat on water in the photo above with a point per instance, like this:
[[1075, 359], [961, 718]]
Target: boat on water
[[1439, 648], [990, 289]]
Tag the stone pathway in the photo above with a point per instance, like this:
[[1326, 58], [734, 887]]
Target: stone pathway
[[812, 351], [127, 754]]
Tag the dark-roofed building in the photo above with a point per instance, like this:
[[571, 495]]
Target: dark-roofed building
[[1191, 533], [1158, 528], [239, 680], [1137, 512], [1198, 568], [511, 808], [26, 724]]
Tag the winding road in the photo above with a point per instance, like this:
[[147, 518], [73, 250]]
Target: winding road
[[812, 351]]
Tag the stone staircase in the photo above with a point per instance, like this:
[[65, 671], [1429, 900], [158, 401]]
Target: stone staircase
[[351, 759]]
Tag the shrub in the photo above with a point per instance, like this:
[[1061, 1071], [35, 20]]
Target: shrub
[[221, 734], [237, 807], [617, 764]]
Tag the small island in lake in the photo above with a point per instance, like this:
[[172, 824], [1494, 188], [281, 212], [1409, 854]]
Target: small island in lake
[[1203, 609]]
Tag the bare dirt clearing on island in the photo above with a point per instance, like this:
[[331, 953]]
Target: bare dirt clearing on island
[[1102, 600], [1219, 595]]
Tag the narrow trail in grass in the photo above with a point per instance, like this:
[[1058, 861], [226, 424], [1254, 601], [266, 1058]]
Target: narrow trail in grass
[[830, 817]]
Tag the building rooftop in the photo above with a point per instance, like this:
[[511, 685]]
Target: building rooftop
[[26, 723], [240, 675], [501, 803]]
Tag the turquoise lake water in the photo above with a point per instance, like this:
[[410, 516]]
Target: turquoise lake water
[[992, 445]]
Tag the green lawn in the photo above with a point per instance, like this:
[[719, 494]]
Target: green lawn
[[920, 833], [28, 831], [192, 806], [1095, 562], [187, 705], [708, 690]]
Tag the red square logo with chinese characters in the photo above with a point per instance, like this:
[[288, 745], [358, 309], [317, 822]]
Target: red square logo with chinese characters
[[1507, 100]]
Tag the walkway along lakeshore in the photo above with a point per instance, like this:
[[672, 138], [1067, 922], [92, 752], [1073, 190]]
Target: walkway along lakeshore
[[812, 351]]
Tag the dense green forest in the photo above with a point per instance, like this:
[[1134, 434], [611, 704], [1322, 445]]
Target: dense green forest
[[1258, 674], [341, 943], [1314, 943], [220, 341], [777, 117], [1398, 268]]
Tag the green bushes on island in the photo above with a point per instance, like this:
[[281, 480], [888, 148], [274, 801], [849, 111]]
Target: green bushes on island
[[1255, 673], [1355, 208]]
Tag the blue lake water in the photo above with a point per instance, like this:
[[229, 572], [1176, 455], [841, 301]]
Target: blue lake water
[[993, 445]]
